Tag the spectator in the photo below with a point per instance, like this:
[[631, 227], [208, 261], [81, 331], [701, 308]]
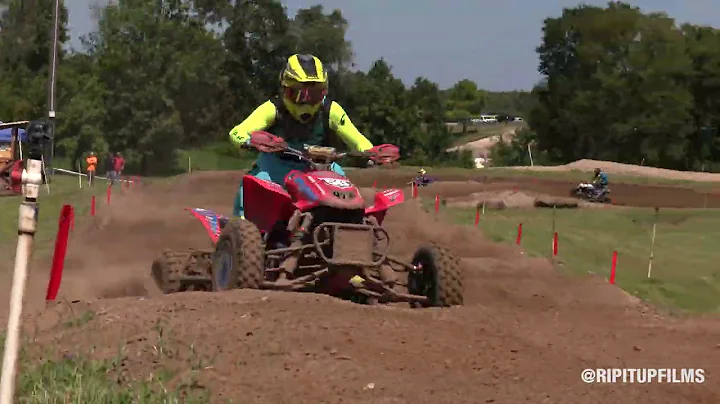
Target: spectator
[[110, 168], [119, 165], [91, 166]]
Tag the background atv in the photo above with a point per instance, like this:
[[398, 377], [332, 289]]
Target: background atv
[[420, 182], [587, 192], [316, 235]]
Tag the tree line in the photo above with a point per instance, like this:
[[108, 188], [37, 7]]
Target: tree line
[[626, 86], [160, 76]]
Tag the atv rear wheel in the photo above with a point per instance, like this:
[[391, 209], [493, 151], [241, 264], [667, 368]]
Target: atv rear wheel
[[167, 270], [238, 259], [439, 278]]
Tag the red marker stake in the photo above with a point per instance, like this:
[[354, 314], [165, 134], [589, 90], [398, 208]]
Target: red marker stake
[[555, 244], [477, 216], [437, 203], [519, 236], [58, 263], [92, 206], [613, 269]]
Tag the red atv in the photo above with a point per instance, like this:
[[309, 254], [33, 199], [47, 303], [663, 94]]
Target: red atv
[[315, 235]]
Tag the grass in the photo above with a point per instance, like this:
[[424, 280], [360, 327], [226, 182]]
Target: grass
[[82, 380], [211, 160], [684, 273], [63, 190]]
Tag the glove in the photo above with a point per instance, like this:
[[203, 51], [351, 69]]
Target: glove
[[384, 153], [267, 142]]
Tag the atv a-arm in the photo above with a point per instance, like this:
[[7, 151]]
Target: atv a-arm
[[333, 246]]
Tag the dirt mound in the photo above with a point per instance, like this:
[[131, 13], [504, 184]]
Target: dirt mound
[[513, 199], [482, 147], [525, 333], [627, 169]]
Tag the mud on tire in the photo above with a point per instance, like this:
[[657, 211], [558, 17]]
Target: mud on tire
[[167, 270], [440, 279], [238, 260]]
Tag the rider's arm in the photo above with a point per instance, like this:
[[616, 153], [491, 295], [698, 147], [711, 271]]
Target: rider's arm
[[262, 118], [350, 135]]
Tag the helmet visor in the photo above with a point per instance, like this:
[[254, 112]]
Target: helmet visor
[[306, 93]]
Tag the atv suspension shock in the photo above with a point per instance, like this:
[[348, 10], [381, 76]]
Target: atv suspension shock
[[299, 232]]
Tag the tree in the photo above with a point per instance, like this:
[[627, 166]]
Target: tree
[[322, 35], [464, 100], [160, 76], [25, 42], [612, 88], [161, 73]]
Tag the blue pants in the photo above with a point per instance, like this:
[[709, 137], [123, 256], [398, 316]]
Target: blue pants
[[270, 167]]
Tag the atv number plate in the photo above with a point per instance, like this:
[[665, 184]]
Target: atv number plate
[[336, 182]]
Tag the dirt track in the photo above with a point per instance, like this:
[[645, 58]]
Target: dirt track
[[622, 194], [524, 334]]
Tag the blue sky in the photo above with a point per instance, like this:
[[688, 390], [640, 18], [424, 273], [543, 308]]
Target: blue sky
[[489, 41]]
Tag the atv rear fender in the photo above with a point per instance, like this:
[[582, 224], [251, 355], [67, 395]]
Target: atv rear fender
[[211, 221]]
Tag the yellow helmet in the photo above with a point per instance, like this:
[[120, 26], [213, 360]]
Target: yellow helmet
[[422, 171], [304, 86]]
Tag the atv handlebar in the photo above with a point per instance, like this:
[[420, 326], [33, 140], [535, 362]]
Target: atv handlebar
[[315, 156], [318, 157]]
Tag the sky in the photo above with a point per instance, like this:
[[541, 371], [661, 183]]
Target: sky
[[491, 42]]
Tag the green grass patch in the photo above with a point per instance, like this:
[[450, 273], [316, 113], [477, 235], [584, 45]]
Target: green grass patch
[[79, 379], [212, 160], [63, 190], [685, 274]]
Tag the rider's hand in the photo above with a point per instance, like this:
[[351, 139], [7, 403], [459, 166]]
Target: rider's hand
[[267, 142]]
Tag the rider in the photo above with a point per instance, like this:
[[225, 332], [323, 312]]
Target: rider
[[600, 181], [302, 115], [420, 179]]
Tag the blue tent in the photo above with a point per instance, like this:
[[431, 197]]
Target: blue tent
[[6, 135]]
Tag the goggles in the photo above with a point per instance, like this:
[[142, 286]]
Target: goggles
[[309, 94]]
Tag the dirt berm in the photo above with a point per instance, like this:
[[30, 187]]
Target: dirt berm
[[524, 335]]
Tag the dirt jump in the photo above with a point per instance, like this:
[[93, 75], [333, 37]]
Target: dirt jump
[[524, 333]]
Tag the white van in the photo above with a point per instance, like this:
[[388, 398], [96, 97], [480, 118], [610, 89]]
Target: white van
[[488, 118]]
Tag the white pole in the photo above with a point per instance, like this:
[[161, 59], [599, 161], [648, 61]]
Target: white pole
[[652, 245], [483, 211], [79, 176], [27, 223], [189, 166], [530, 154]]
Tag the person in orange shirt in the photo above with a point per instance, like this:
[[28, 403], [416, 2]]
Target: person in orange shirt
[[91, 167]]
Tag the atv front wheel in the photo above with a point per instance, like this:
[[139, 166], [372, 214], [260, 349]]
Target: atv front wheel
[[439, 277], [238, 259], [167, 270]]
